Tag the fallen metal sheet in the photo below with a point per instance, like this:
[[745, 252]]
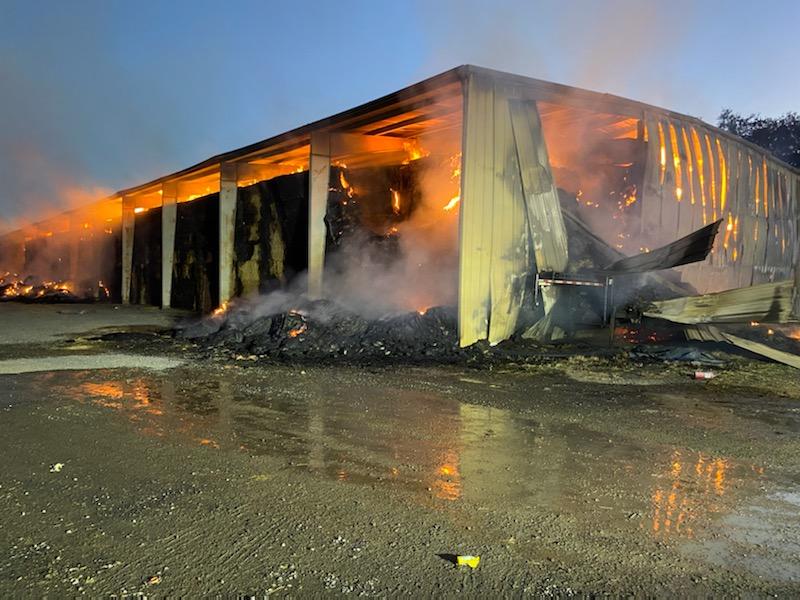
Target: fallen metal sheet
[[692, 248], [709, 333], [768, 302], [603, 252]]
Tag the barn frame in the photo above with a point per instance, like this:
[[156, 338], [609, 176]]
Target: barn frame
[[235, 223]]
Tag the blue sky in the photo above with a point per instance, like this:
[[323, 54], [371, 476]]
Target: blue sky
[[107, 94]]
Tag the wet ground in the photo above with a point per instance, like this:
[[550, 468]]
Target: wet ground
[[581, 476]]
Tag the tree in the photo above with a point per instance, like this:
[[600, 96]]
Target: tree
[[779, 135]]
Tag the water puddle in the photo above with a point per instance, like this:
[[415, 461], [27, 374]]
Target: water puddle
[[429, 443]]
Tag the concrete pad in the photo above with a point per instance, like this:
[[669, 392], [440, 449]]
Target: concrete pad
[[35, 323], [86, 362]]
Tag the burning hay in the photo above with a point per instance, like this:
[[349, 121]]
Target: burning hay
[[29, 289]]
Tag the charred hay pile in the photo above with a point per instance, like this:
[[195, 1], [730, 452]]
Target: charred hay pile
[[321, 330]]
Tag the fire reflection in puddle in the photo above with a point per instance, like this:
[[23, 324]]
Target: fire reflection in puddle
[[447, 486], [697, 484], [148, 404], [431, 444]]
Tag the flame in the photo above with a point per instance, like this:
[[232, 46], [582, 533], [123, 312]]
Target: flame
[[628, 197], [452, 203], [701, 176], [793, 333], [413, 151], [298, 330], [728, 229], [139, 210], [676, 161], [349, 189], [713, 176], [689, 165], [395, 201], [220, 310], [17, 288], [455, 165]]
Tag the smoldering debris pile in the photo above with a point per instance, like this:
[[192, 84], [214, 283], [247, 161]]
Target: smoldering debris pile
[[324, 330]]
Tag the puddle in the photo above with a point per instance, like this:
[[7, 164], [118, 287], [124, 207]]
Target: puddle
[[762, 537], [382, 430]]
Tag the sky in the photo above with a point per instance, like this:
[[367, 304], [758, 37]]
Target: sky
[[99, 95]]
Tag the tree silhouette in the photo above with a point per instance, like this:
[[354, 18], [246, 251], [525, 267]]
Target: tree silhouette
[[779, 135]]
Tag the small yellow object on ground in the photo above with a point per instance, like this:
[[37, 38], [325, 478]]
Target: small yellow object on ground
[[471, 561]]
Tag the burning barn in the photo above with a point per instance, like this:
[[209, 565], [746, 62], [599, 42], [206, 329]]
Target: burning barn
[[530, 207]]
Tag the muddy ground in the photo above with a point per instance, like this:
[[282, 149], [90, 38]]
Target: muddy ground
[[572, 477]]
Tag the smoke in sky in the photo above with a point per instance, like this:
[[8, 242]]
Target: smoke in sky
[[104, 95]]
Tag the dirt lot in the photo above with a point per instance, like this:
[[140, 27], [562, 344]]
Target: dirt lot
[[577, 476]]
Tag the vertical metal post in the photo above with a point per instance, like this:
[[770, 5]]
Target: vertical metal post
[[318, 184], [228, 176], [128, 222], [169, 218]]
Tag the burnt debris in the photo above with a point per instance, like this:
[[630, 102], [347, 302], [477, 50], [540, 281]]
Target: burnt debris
[[321, 328]]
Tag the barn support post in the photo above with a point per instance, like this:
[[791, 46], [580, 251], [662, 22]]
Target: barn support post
[[318, 184], [228, 176], [128, 222], [169, 218], [74, 246]]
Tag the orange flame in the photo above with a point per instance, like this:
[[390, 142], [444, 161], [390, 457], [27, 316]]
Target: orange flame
[[414, 151], [220, 310], [349, 190], [395, 201], [298, 330], [452, 203]]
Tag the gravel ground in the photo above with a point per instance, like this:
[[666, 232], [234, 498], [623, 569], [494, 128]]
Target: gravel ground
[[216, 476]]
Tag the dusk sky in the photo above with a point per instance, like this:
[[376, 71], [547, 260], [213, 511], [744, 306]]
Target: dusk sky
[[101, 95]]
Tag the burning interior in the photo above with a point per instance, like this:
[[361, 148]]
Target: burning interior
[[529, 208]]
